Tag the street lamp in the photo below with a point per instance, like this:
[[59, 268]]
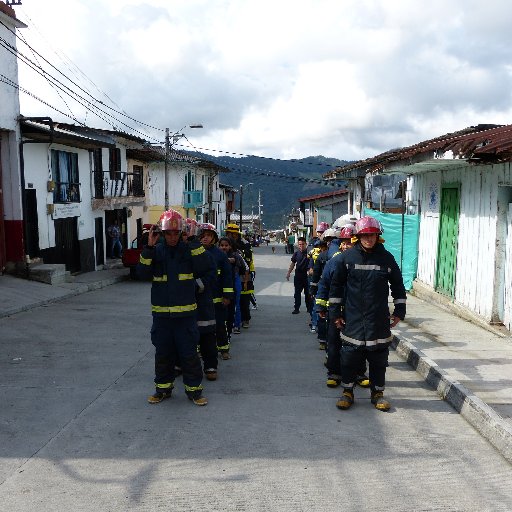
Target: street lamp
[[241, 201], [175, 137]]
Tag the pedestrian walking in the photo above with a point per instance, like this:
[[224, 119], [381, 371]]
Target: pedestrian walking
[[175, 270], [299, 262], [358, 301]]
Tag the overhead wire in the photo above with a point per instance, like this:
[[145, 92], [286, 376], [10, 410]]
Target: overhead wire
[[107, 117]]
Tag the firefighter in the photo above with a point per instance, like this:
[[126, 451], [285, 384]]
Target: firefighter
[[224, 292], [333, 363], [320, 229], [358, 301], [176, 270], [233, 232], [317, 323], [206, 322]]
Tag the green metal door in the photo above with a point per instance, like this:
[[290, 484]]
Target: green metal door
[[447, 246]]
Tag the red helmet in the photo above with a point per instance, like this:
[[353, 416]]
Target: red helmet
[[347, 232], [171, 220], [368, 225], [190, 227], [208, 227], [322, 227]]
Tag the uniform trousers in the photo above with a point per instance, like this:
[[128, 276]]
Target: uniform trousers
[[354, 356], [175, 339], [222, 333]]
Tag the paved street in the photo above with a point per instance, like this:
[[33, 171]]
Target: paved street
[[76, 432]]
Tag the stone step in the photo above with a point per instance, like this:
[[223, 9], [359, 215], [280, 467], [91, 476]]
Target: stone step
[[50, 273]]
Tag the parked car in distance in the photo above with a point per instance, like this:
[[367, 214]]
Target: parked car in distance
[[131, 254]]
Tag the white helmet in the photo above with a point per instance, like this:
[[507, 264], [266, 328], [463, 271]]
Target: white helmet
[[329, 233], [344, 220]]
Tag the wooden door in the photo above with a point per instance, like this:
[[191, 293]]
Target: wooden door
[[447, 246], [67, 248]]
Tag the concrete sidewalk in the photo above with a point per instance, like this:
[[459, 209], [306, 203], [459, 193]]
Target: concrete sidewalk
[[18, 294], [469, 366]]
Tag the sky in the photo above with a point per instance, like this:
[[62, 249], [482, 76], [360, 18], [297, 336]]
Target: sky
[[285, 79]]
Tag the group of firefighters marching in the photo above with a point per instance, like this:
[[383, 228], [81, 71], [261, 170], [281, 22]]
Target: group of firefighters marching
[[350, 276], [201, 292]]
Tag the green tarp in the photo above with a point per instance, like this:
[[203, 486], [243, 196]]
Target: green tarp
[[406, 256]]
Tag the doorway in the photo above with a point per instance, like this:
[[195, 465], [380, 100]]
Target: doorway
[[67, 248], [32, 223], [448, 240], [98, 238]]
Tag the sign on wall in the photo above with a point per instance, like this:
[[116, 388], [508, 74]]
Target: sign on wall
[[65, 210]]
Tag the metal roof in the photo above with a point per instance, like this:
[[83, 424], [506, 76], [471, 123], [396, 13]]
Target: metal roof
[[322, 196], [476, 144], [44, 130]]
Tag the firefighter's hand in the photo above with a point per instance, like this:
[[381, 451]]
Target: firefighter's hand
[[322, 314], [226, 302], [393, 321], [245, 286], [287, 277], [153, 236], [339, 323]]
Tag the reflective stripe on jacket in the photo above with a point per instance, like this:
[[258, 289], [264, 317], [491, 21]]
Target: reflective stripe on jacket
[[360, 284], [174, 271]]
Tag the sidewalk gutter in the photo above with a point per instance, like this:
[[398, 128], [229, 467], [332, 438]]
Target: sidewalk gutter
[[482, 417]]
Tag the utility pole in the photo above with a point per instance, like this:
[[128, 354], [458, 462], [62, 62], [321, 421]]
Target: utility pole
[[259, 211], [166, 169], [241, 194]]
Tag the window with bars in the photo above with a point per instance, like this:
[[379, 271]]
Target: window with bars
[[66, 177]]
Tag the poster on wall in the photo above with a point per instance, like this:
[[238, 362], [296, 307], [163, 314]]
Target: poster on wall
[[65, 210], [432, 199]]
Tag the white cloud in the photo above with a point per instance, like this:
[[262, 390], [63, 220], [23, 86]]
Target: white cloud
[[288, 79]]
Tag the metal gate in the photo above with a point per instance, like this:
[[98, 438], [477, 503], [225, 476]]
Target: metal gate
[[448, 237]]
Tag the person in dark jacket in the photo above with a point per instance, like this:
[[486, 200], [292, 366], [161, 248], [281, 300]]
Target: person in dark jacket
[[206, 322], [300, 262], [233, 232], [358, 301], [177, 271], [333, 363], [224, 292]]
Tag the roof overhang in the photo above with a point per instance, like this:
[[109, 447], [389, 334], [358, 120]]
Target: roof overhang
[[8, 16], [45, 131], [433, 165]]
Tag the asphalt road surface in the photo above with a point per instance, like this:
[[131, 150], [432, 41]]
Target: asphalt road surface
[[76, 431]]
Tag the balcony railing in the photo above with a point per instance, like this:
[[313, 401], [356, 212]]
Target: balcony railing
[[125, 184], [192, 198]]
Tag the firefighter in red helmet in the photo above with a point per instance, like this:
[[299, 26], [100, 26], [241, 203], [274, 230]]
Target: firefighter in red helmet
[[176, 271], [358, 302]]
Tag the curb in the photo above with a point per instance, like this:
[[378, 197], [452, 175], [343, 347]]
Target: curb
[[476, 412], [76, 290]]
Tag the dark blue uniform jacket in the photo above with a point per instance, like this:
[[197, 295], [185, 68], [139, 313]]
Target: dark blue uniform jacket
[[360, 285]]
